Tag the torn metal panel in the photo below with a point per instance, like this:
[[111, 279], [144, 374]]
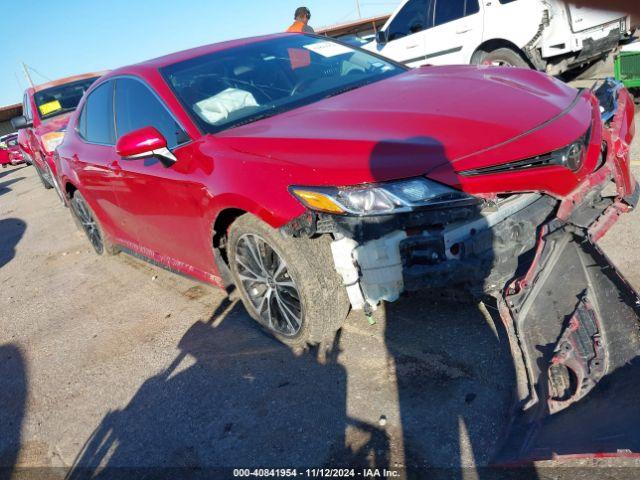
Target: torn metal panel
[[577, 324]]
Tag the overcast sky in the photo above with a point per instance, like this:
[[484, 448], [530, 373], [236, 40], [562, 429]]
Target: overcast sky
[[59, 38]]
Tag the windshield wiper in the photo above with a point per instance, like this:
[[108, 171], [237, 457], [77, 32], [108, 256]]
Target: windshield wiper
[[256, 118], [347, 89]]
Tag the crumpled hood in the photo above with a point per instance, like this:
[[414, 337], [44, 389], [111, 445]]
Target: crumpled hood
[[411, 123]]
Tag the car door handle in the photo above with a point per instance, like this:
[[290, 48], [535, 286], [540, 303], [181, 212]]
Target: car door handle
[[463, 30], [412, 46]]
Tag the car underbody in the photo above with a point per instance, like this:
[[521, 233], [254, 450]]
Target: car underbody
[[571, 318]]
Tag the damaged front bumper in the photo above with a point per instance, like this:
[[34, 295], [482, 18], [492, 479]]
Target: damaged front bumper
[[478, 247], [571, 318]]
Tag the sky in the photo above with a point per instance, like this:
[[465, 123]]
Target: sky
[[59, 38]]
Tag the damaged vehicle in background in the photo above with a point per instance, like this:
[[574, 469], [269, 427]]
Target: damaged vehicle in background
[[549, 35], [10, 151], [46, 110], [316, 178]]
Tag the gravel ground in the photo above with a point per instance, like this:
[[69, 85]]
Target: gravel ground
[[112, 362]]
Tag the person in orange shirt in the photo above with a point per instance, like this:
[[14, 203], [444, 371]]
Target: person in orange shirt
[[301, 23]]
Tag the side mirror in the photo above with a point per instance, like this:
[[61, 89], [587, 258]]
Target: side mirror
[[381, 37], [144, 143], [20, 122]]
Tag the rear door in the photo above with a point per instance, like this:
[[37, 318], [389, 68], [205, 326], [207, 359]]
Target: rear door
[[456, 33], [94, 160], [406, 33], [165, 205]]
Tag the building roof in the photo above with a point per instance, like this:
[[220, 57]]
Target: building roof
[[10, 111], [372, 23]]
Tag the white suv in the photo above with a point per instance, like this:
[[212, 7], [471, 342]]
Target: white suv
[[545, 34]]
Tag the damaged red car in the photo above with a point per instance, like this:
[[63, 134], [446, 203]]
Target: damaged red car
[[46, 110], [316, 178], [10, 153]]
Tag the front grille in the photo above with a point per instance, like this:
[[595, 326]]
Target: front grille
[[630, 66]]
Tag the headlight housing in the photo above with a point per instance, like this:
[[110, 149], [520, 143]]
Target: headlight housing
[[380, 199], [52, 140], [572, 157]]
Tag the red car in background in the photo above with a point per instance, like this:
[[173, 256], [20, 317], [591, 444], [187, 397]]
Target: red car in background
[[315, 177], [46, 110], [10, 153]]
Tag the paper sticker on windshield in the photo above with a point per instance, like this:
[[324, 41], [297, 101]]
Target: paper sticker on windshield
[[50, 107], [328, 49]]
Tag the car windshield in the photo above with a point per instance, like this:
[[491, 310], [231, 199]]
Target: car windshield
[[244, 84], [61, 99]]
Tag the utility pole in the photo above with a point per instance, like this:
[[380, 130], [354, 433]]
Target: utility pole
[[358, 8], [27, 74]]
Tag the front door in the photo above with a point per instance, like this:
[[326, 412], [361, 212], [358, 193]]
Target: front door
[[406, 34], [165, 204]]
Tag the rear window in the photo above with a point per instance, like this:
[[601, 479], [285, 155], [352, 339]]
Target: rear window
[[61, 99]]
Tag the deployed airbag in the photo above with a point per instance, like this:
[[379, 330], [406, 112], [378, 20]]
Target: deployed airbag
[[222, 105]]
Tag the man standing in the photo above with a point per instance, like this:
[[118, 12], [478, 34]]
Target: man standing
[[301, 23]]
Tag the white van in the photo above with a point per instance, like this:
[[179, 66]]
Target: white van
[[545, 34]]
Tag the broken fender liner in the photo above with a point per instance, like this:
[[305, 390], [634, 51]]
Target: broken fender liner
[[576, 320]]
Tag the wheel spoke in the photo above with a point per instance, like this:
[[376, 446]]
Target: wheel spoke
[[249, 271], [287, 284], [286, 313], [254, 250], [264, 277]]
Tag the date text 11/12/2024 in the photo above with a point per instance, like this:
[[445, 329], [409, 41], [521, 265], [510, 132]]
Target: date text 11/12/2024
[[315, 473]]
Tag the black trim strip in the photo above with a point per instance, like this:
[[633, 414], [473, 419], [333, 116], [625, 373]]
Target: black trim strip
[[433, 55], [444, 52]]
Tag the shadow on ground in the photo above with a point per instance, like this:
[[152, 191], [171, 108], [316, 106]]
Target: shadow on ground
[[234, 397], [13, 398], [11, 232]]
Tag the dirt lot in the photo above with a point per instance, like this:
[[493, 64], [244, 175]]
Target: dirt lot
[[112, 362]]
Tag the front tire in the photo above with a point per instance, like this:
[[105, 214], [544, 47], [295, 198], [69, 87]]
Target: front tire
[[87, 221], [501, 57], [289, 286]]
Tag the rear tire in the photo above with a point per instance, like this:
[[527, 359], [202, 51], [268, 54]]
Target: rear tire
[[304, 304], [501, 57], [87, 221]]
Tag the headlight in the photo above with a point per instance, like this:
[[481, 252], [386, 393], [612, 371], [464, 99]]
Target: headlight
[[52, 140], [380, 199], [572, 157]]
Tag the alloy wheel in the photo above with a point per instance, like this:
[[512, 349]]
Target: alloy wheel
[[267, 282], [89, 224]]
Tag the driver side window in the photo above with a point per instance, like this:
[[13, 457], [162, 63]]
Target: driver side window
[[413, 18], [137, 107]]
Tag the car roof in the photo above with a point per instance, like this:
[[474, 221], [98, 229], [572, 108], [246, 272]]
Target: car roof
[[160, 62], [63, 81]]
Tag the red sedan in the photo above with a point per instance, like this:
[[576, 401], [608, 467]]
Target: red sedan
[[46, 110], [315, 177]]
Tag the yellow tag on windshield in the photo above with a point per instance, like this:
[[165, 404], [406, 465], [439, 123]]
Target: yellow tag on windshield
[[50, 107]]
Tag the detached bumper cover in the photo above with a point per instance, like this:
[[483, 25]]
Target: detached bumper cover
[[574, 324]]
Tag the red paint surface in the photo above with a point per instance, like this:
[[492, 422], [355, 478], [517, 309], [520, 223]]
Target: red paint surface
[[434, 121]]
